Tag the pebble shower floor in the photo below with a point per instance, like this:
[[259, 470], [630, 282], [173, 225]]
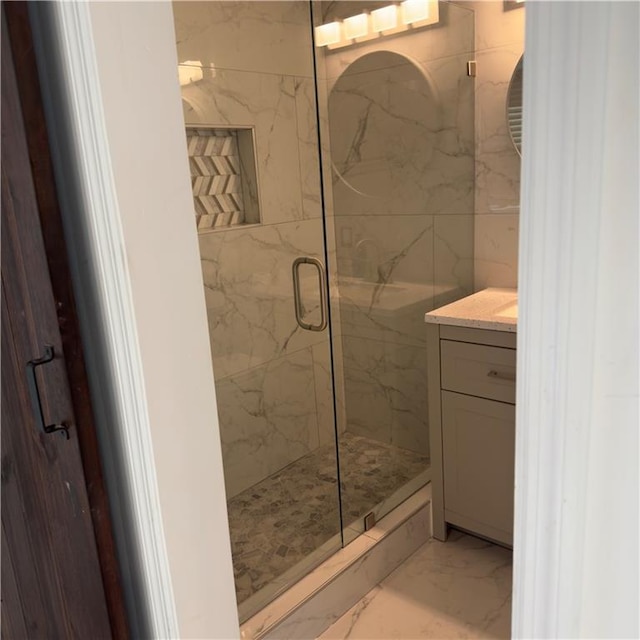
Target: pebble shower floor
[[278, 522]]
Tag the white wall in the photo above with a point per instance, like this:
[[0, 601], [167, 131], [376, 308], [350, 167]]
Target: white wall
[[114, 103], [143, 114]]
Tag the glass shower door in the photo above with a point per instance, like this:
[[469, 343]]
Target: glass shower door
[[397, 130], [300, 376], [246, 71]]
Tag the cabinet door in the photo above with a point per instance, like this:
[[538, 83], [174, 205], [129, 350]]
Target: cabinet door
[[478, 442]]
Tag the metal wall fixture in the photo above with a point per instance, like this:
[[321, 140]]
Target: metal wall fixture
[[393, 18]]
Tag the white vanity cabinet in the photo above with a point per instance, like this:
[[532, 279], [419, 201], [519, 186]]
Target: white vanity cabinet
[[471, 398]]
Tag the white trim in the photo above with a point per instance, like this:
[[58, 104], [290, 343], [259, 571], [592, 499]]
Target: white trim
[[577, 324], [71, 23]]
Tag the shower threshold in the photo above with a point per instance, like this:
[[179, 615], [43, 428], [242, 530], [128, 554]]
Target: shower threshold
[[311, 605]]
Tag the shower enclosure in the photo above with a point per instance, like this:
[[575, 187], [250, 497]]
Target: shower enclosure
[[333, 201]]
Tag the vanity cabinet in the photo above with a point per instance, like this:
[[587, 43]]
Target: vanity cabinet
[[472, 429]]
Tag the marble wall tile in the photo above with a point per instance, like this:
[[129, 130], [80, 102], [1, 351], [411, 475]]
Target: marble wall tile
[[405, 326], [405, 383], [382, 142], [368, 407], [453, 258], [385, 282], [249, 293], [269, 37], [322, 89], [307, 129], [268, 417], [335, 320], [268, 104], [453, 34], [495, 23], [499, 43], [322, 372], [385, 249], [497, 162], [496, 251], [402, 136], [401, 327], [385, 386], [402, 141]]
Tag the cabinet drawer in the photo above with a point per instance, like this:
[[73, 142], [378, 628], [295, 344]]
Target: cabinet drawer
[[479, 370]]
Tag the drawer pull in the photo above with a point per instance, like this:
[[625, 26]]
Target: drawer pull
[[501, 375]]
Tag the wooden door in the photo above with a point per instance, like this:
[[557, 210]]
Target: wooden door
[[59, 571]]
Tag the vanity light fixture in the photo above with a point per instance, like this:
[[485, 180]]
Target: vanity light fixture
[[419, 13], [193, 71], [328, 34], [356, 26], [189, 71], [384, 19], [414, 10], [380, 22]]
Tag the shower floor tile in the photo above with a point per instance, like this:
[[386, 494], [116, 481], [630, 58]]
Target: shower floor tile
[[278, 522]]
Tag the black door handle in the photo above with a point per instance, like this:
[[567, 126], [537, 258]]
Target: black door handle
[[35, 393]]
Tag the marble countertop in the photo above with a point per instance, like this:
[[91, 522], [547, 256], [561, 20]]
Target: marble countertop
[[495, 309]]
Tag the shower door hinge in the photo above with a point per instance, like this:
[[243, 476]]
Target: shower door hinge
[[471, 68], [369, 521]]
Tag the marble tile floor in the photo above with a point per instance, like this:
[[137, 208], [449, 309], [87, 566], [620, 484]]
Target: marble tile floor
[[279, 521], [457, 589]]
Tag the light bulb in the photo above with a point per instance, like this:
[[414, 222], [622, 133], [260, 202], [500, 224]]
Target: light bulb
[[415, 11], [385, 18], [356, 26], [327, 34]]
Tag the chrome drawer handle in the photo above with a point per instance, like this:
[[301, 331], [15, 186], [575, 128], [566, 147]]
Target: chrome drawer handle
[[501, 375]]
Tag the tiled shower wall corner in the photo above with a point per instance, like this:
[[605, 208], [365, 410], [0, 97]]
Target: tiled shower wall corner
[[273, 380], [499, 46]]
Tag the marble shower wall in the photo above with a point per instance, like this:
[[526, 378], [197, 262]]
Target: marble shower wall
[[499, 45], [273, 379], [401, 124], [407, 249]]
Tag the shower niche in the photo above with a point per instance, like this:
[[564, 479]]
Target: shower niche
[[224, 180]]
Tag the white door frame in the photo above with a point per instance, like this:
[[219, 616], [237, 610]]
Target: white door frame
[[577, 363], [576, 524]]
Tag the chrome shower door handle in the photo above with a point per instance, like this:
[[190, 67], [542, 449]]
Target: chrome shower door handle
[[323, 293]]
